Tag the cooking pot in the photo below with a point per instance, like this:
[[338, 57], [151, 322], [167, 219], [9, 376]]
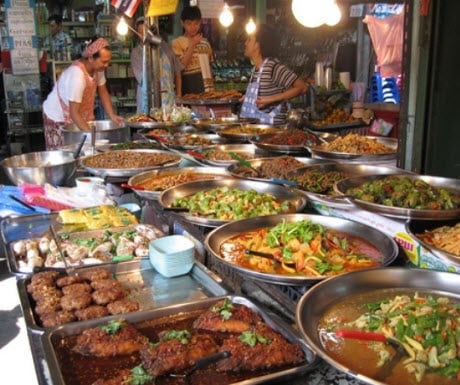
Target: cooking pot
[[105, 129]]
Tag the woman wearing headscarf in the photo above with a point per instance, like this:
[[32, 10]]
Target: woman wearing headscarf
[[272, 84], [72, 99]]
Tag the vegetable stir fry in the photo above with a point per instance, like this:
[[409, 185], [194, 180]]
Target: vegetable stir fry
[[406, 193], [300, 248], [232, 204], [427, 327]]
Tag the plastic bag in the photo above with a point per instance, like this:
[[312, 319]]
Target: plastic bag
[[387, 39], [381, 127]]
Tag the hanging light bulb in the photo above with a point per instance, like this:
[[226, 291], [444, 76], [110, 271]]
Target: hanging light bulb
[[226, 16], [122, 27], [309, 13], [333, 14], [250, 26]]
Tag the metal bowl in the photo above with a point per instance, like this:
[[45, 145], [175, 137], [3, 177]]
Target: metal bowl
[[53, 167], [247, 150], [248, 131], [450, 184], [105, 129], [220, 123], [128, 172], [385, 244], [414, 227], [187, 189], [317, 301], [139, 179], [349, 169], [391, 143]]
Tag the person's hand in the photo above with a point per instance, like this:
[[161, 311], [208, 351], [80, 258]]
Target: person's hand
[[194, 40], [119, 120], [262, 101]]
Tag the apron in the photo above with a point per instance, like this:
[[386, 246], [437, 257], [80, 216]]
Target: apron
[[249, 107], [87, 100]]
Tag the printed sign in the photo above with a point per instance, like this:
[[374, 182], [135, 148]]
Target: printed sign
[[162, 7], [24, 61]]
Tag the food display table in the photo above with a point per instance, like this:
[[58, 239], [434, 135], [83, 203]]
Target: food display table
[[211, 278]]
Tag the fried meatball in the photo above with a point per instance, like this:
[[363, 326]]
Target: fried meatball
[[77, 288], [43, 292], [48, 305], [105, 284], [92, 311], [104, 296], [69, 280], [122, 306], [57, 318], [96, 274], [75, 302], [48, 275]]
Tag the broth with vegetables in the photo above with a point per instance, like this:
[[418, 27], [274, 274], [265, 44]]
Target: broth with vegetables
[[427, 326]]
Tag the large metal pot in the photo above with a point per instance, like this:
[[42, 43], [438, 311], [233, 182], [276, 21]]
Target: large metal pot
[[54, 167], [105, 129]]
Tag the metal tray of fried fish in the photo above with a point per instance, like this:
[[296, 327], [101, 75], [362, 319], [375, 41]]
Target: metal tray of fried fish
[[89, 248], [167, 318], [143, 285]]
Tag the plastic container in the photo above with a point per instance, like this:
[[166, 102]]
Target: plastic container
[[172, 256]]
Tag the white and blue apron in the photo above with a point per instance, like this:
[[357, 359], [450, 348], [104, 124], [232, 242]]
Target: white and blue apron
[[249, 107]]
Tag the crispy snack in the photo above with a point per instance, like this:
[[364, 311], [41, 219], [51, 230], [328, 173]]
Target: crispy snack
[[445, 238], [139, 118], [94, 217], [356, 144]]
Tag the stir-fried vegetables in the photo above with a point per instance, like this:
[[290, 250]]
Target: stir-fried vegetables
[[427, 327], [300, 248], [405, 192], [232, 204]]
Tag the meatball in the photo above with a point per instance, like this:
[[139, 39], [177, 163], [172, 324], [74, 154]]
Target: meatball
[[45, 275], [96, 274], [57, 318], [77, 288], [75, 302], [92, 311], [104, 296], [105, 284], [69, 280], [122, 306]]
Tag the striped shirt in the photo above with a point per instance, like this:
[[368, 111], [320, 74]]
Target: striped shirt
[[180, 46], [276, 78]]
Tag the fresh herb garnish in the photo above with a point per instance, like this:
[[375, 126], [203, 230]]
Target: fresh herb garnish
[[182, 335], [139, 376], [252, 338], [112, 327], [225, 310]]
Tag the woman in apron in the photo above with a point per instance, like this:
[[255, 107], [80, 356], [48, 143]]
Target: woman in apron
[[72, 99], [272, 84]]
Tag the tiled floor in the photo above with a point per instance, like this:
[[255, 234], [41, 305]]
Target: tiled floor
[[15, 354]]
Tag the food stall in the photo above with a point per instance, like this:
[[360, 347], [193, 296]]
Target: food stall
[[161, 173]]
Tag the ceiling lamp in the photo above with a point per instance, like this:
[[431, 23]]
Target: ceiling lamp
[[250, 26], [122, 27], [309, 13], [226, 17], [333, 14], [313, 13]]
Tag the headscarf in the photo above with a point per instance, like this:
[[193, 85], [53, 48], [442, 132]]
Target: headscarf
[[95, 47]]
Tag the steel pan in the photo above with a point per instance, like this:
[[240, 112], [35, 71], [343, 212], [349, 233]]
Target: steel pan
[[450, 184], [386, 245], [187, 189], [105, 129], [138, 179], [318, 300]]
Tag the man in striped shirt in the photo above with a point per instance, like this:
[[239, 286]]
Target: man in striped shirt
[[272, 84]]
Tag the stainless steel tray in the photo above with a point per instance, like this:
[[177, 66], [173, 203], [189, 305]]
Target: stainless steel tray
[[349, 169], [138, 179], [337, 126], [248, 131], [127, 172], [414, 227], [386, 245], [317, 301], [260, 142], [201, 102], [220, 123], [256, 163], [250, 151], [174, 142], [450, 184], [133, 145], [146, 286], [280, 192], [154, 124], [190, 308], [392, 143]]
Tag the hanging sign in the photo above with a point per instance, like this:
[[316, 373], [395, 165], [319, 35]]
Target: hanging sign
[[211, 9], [162, 7], [21, 21]]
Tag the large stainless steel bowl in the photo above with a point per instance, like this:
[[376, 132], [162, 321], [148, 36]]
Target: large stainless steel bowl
[[54, 167], [317, 301], [105, 129], [387, 247]]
